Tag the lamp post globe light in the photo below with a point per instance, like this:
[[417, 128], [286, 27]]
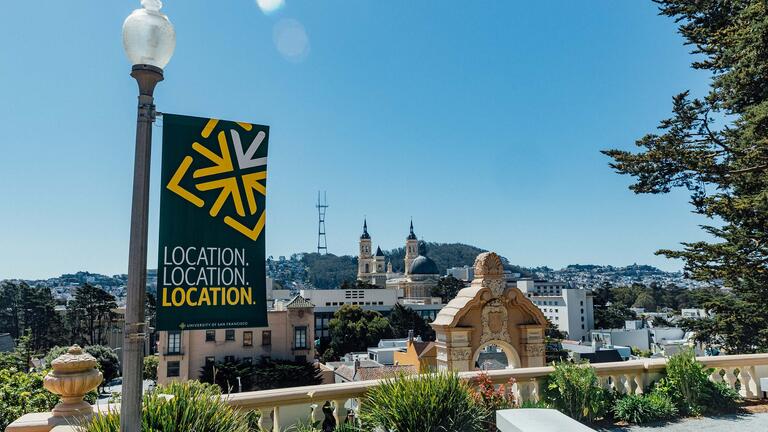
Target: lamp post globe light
[[149, 40]]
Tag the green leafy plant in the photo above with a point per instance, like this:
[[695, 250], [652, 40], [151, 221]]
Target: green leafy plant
[[149, 368], [439, 402], [22, 393], [534, 404], [194, 407], [641, 409], [574, 390], [722, 398], [687, 383]]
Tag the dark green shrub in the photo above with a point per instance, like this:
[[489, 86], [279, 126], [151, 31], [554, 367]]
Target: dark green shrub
[[722, 398], [641, 409], [267, 374], [574, 390], [149, 368], [432, 402], [687, 384], [194, 407]]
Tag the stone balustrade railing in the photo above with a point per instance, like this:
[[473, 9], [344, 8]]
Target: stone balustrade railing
[[281, 408]]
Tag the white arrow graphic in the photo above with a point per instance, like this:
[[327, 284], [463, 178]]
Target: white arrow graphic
[[246, 160]]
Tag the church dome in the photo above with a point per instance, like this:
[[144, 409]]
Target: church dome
[[423, 265]]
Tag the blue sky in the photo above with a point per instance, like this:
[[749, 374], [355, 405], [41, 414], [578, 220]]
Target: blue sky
[[481, 120]]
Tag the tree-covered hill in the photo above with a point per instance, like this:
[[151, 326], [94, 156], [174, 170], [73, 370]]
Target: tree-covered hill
[[330, 271]]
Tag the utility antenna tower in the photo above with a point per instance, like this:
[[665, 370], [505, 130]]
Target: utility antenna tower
[[322, 204]]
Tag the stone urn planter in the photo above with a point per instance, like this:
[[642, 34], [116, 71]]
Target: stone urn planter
[[74, 374]]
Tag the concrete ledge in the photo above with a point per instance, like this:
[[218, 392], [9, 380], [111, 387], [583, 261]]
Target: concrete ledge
[[537, 420], [43, 422]]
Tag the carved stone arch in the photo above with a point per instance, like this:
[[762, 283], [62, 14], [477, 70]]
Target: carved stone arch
[[513, 358], [489, 310]]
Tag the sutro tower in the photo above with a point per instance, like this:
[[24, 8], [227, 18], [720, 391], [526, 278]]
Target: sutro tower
[[322, 244]]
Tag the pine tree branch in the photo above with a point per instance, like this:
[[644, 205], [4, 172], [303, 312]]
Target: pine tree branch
[[750, 169]]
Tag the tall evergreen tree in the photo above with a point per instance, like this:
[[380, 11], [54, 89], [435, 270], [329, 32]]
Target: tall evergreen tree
[[403, 319], [90, 314], [25, 309], [716, 147]]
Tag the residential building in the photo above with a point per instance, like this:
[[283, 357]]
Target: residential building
[[183, 354], [366, 370], [636, 334], [385, 350], [421, 355], [381, 300], [465, 273], [571, 309]]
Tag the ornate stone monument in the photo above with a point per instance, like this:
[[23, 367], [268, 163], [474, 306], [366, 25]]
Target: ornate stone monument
[[489, 312]]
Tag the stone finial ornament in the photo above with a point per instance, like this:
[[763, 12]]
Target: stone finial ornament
[[74, 374], [488, 265]]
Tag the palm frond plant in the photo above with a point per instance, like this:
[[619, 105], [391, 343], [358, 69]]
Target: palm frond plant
[[439, 402], [193, 406]]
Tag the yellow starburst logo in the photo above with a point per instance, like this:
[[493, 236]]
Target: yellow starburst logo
[[237, 179]]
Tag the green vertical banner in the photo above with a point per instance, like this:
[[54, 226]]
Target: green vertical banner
[[211, 269]]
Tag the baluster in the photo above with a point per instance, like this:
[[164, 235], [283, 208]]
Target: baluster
[[276, 419], [517, 391], [748, 382], [535, 390], [338, 405], [715, 376], [616, 383], [313, 412], [260, 421], [627, 383], [604, 382], [639, 384], [730, 378], [358, 407]]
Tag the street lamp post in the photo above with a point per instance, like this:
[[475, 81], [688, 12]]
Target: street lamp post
[[149, 40]]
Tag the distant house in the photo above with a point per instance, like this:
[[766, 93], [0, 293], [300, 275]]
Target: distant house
[[421, 355], [370, 370], [6, 342]]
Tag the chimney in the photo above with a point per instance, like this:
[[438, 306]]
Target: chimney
[[410, 335], [355, 367]]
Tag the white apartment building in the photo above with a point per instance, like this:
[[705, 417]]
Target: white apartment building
[[381, 300], [571, 309], [465, 273]]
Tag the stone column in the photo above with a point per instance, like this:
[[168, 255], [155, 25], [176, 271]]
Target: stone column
[[453, 349], [74, 374], [532, 353]]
